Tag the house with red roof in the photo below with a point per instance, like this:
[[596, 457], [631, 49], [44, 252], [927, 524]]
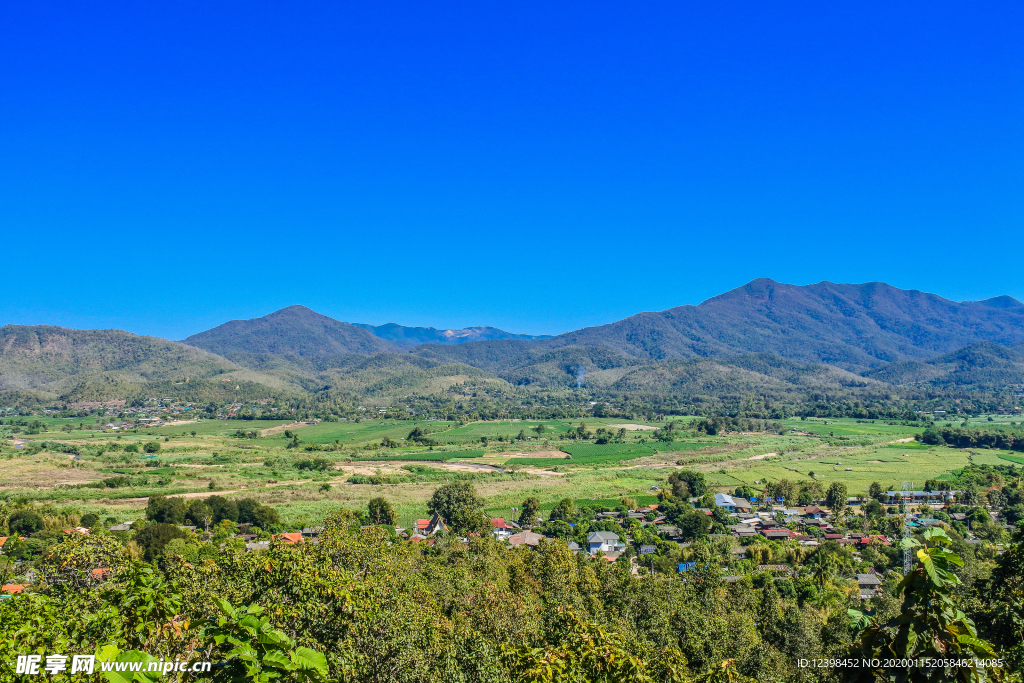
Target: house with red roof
[[429, 527], [3, 539], [289, 538], [100, 573], [503, 529]]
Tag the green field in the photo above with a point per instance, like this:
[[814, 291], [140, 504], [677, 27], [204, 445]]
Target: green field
[[851, 427], [267, 469], [1017, 459]]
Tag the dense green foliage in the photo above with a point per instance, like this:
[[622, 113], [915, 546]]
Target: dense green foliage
[[357, 606], [974, 438]]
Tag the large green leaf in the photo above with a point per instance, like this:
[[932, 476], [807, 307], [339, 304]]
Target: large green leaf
[[308, 659], [225, 607], [270, 636], [278, 660]]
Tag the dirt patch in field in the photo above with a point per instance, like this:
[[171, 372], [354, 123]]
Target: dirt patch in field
[[543, 473], [368, 471], [532, 454], [879, 462], [634, 428], [42, 472], [270, 431], [904, 440], [761, 457]]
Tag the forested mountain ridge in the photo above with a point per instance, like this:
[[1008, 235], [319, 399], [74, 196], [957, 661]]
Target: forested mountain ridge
[[293, 330], [765, 337], [983, 365], [856, 327], [54, 360]]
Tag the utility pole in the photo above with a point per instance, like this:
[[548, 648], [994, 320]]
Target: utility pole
[[906, 490]]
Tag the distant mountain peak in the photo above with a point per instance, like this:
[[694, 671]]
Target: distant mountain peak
[[431, 335], [295, 330], [1004, 301]]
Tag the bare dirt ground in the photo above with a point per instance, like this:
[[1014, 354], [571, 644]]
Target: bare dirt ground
[[903, 440], [760, 457], [270, 431], [42, 472], [529, 454], [634, 428], [543, 473], [180, 422]]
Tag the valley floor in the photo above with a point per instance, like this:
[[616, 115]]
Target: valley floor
[[341, 464]]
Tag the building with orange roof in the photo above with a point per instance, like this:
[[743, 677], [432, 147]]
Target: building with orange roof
[[429, 527]]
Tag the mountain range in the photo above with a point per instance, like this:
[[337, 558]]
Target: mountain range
[[763, 336]]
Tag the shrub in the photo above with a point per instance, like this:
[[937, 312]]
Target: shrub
[[154, 537], [24, 522]]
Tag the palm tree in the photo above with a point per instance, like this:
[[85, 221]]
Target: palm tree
[[822, 567]]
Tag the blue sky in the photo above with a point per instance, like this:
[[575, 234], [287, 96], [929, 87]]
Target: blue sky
[[540, 167]]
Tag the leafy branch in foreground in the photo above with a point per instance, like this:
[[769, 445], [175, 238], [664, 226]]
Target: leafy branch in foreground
[[930, 626], [254, 650]]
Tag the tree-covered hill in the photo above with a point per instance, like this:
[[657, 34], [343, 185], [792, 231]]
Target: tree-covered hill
[[294, 330], [979, 366], [52, 361]]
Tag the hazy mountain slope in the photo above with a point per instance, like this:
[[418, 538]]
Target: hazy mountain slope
[[493, 356], [979, 366], [752, 376], [1002, 302], [429, 335], [526, 363], [52, 361], [294, 330], [852, 326], [389, 375]]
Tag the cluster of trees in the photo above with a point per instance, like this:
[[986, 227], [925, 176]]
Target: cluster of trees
[[722, 424], [210, 511], [961, 437]]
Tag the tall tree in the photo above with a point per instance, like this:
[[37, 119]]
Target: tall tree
[[528, 512], [460, 506], [1006, 598], [565, 510], [835, 498], [380, 511]]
